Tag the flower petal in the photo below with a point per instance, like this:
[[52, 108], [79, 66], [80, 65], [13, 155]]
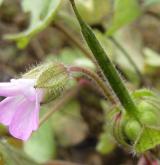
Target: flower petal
[[18, 87], [8, 108], [36, 112], [26, 87], [25, 120], [9, 89]]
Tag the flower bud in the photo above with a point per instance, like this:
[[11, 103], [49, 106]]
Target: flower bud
[[132, 129], [141, 132], [51, 77]]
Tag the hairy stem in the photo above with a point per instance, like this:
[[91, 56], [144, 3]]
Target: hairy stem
[[106, 91], [77, 42]]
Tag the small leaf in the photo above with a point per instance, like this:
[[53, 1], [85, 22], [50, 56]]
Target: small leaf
[[42, 13], [125, 13], [41, 146]]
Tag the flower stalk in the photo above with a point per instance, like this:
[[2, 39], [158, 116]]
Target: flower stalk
[[106, 65], [105, 89]]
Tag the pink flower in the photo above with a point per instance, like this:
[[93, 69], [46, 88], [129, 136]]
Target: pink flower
[[20, 109]]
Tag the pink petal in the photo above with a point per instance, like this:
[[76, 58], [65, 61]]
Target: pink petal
[[18, 87], [25, 120], [8, 108], [9, 89], [36, 112], [26, 87]]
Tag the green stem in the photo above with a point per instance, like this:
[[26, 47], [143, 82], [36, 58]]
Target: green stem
[[107, 91], [77, 42], [106, 65]]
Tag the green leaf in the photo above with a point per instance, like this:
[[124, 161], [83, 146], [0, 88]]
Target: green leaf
[[41, 146], [42, 13], [125, 12], [150, 2], [13, 156]]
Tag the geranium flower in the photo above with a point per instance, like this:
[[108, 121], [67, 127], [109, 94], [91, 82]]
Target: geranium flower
[[20, 109]]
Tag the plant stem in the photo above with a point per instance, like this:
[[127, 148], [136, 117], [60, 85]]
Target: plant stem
[[106, 91], [75, 41], [106, 65], [60, 103]]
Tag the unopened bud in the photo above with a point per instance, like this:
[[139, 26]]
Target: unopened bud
[[141, 132], [52, 78], [132, 129]]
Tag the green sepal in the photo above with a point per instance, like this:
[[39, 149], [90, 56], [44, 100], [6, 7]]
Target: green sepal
[[34, 72], [148, 139], [52, 78]]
